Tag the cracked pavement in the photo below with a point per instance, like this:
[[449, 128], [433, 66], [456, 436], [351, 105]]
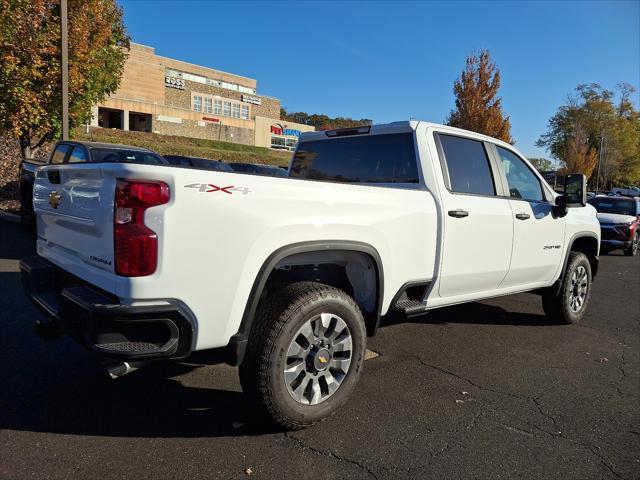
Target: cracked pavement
[[483, 390]]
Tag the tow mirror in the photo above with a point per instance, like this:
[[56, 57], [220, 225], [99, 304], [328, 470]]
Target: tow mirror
[[575, 190], [575, 194]]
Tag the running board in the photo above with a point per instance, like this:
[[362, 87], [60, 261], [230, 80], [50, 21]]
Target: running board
[[410, 308]]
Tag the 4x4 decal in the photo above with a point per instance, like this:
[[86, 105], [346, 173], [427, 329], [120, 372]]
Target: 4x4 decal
[[210, 187]]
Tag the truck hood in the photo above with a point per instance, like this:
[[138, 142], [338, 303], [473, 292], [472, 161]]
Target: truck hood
[[615, 218]]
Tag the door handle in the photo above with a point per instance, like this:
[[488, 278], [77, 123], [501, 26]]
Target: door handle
[[458, 213], [522, 216]]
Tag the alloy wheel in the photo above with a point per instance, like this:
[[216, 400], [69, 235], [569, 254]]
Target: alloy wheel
[[318, 359], [579, 286]]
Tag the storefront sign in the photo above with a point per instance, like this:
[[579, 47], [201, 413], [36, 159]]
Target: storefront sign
[[173, 82], [280, 129], [211, 119], [252, 99]]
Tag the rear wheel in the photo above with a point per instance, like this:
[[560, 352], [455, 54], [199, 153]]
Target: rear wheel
[[305, 354], [568, 303], [633, 249]]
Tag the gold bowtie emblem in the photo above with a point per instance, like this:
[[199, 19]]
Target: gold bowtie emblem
[[322, 359], [55, 199]]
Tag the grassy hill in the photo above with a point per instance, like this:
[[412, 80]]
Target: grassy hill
[[169, 144]]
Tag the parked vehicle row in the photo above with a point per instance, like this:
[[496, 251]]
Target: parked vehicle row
[[92, 152], [288, 276], [619, 219]]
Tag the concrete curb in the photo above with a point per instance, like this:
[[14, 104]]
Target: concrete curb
[[9, 217]]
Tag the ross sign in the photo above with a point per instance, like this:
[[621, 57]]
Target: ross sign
[[280, 129], [252, 99], [173, 82], [211, 119]]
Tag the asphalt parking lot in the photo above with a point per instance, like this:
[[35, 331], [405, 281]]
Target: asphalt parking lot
[[484, 390]]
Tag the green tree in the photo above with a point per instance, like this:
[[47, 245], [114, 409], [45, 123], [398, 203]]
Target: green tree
[[607, 124], [322, 122], [30, 73], [478, 106], [542, 164]]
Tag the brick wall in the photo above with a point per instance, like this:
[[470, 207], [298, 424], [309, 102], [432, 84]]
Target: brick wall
[[182, 98]]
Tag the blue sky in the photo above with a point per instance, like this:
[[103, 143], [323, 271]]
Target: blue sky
[[395, 60]]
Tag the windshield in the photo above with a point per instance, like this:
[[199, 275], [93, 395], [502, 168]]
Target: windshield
[[620, 206], [112, 155]]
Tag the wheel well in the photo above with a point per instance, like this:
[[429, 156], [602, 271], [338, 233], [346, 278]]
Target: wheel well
[[351, 271], [589, 247]]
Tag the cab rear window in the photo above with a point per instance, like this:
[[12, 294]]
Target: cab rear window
[[387, 158]]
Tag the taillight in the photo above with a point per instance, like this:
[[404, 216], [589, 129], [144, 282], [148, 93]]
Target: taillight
[[135, 244]]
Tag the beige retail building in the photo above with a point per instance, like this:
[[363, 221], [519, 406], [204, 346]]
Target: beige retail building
[[162, 95]]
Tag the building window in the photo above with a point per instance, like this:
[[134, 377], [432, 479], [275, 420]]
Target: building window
[[291, 143], [235, 110], [278, 142], [227, 109], [208, 105], [242, 89], [197, 103], [217, 106], [245, 112]]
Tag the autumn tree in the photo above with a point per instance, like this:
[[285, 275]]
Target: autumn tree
[[608, 123], [30, 66], [579, 156], [478, 106]]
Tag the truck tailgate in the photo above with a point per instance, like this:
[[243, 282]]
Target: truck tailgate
[[74, 209]]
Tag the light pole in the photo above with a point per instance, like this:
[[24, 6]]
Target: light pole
[[64, 38]]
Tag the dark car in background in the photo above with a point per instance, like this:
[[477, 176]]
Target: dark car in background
[[619, 222], [198, 162], [69, 151], [258, 169]]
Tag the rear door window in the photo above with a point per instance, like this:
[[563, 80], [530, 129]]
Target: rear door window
[[386, 158], [468, 165], [59, 153], [77, 155]]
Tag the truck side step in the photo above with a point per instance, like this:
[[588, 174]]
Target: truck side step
[[411, 307]]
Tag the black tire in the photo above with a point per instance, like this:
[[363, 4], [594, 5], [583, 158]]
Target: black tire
[[27, 214], [277, 320], [633, 249], [557, 303]]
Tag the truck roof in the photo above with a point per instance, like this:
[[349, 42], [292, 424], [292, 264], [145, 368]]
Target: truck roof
[[114, 146], [402, 126]]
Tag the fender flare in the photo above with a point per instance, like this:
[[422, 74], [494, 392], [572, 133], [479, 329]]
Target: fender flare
[[575, 237], [238, 342]]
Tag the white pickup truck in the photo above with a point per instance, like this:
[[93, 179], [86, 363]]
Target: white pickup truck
[[289, 275]]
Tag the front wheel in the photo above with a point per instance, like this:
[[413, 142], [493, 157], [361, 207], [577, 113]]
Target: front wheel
[[305, 354], [633, 248], [568, 303]]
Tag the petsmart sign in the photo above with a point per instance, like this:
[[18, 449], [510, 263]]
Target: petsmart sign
[[280, 129]]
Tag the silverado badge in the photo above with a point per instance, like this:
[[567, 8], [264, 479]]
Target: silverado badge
[[55, 199]]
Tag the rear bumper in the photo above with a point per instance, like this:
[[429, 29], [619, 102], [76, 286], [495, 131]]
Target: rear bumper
[[99, 322]]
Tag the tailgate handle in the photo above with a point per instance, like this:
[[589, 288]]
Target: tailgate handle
[[53, 176]]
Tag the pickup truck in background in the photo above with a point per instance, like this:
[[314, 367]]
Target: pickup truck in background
[[288, 276], [76, 152]]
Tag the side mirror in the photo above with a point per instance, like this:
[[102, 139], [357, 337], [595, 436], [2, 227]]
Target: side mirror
[[575, 194], [575, 190]]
